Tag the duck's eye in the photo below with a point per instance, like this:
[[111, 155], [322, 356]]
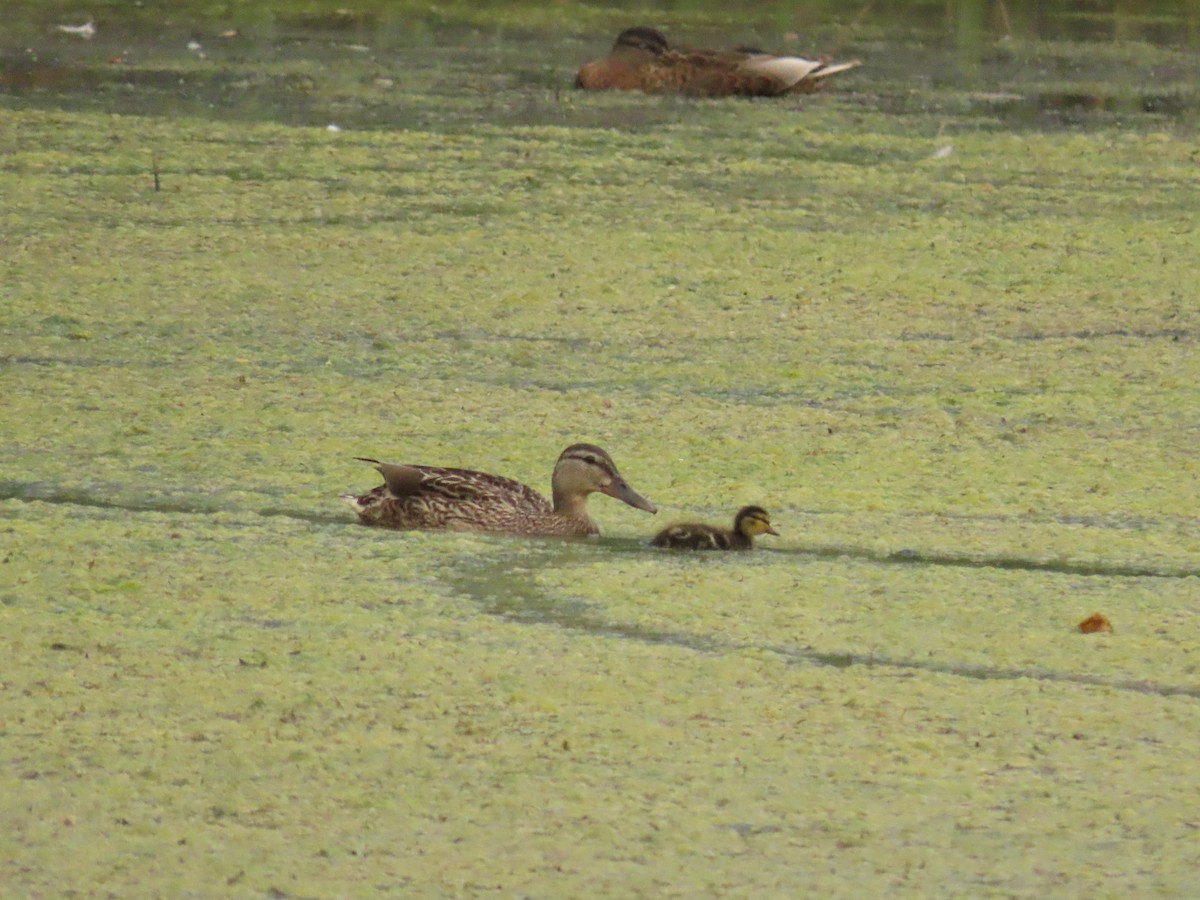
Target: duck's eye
[[590, 460]]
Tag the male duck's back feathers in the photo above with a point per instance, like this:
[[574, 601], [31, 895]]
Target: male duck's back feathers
[[642, 60]]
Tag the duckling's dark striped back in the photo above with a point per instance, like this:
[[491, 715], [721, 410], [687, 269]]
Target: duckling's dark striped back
[[697, 536]]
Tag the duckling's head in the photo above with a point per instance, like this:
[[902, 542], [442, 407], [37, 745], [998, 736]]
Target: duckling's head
[[583, 469], [641, 38], [752, 521]]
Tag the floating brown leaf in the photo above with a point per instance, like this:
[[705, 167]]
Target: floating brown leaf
[[1095, 622]]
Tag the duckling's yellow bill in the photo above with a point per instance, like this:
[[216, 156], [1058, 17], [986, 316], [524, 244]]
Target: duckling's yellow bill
[[619, 489], [771, 530]]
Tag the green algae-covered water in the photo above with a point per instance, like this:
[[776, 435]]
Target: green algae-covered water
[[941, 322]]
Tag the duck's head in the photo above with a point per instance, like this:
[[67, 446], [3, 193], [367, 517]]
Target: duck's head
[[752, 521], [583, 469], [641, 38]]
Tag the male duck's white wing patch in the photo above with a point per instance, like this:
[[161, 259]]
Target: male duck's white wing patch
[[789, 70]]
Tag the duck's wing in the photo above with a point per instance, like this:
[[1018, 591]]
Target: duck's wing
[[460, 485], [711, 73]]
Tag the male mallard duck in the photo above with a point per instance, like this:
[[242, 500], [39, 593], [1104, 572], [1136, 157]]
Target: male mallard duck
[[434, 498], [641, 60], [749, 522]]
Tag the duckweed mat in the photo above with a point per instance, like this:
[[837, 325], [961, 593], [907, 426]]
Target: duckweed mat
[[951, 348]]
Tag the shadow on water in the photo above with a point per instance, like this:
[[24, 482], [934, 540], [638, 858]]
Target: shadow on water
[[507, 588]]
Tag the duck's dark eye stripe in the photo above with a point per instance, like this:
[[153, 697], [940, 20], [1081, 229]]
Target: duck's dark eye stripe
[[591, 456]]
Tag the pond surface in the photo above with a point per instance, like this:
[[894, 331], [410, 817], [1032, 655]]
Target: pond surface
[[940, 321], [1016, 64]]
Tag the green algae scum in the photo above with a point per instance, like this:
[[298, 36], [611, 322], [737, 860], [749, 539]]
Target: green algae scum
[[941, 321]]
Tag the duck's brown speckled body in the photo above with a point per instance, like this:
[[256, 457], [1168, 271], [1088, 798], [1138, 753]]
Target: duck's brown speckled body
[[641, 60], [442, 499], [749, 522]]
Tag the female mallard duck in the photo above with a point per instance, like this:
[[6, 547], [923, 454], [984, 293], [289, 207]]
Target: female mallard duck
[[749, 522], [641, 60], [434, 498]]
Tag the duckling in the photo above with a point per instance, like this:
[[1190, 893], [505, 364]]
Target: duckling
[[641, 60], [749, 522], [436, 498]]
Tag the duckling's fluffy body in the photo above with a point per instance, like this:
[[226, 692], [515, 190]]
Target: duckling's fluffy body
[[749, 522], [436, 498], [642, 60]]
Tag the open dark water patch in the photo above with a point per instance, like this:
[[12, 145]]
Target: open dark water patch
[[181, 502], [1069, 65]]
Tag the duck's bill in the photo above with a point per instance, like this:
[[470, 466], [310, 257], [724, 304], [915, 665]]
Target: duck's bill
[[771, 530], [620, 490]]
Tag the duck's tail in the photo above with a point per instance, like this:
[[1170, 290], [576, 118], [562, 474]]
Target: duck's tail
[[834, 68]]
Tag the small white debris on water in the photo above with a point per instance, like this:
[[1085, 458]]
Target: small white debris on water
[[332, 127], [86, 31], [943, 152]]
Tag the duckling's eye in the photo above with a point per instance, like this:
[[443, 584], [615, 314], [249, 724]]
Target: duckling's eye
[[590, 460]]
